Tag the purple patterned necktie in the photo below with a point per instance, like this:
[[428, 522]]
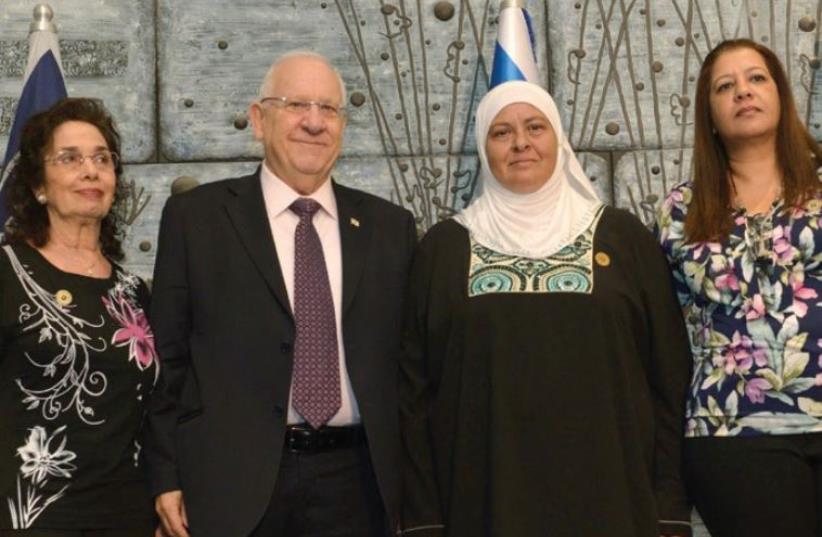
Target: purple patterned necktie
[[316, 378]]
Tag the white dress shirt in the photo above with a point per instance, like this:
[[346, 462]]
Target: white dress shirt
[[278, 196]]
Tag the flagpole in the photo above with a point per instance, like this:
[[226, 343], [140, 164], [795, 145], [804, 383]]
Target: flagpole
[[43, 15], [43, 86], [42, 35]]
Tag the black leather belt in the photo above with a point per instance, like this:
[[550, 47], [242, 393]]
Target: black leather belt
[[305, 439]]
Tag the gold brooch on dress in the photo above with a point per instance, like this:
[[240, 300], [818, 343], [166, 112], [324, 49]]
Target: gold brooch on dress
[[63, 297]]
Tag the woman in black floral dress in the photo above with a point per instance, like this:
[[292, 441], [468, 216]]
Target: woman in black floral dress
[[77, 360]]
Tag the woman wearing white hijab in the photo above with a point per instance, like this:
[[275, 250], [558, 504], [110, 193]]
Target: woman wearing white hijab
[[546, 359]]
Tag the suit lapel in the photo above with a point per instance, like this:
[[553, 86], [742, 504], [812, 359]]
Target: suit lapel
[[248, 215], [355, 232]]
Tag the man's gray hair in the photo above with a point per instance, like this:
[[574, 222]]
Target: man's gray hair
[[268, 80]]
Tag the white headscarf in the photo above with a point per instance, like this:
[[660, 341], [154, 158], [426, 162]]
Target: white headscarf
[[541, 223]]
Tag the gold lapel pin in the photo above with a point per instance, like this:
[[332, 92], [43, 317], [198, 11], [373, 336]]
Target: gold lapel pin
[[602, 259], [63, 297], [355, 222]]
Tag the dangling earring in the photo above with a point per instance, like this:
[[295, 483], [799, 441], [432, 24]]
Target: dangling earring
[[41, 198]]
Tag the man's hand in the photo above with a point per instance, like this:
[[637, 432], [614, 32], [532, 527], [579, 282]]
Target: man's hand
[[172, 511]]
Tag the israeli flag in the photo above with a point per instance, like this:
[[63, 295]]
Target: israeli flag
[[515, 52], [43, 85]]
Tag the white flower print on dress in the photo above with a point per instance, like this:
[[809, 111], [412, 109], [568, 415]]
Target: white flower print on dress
[[70, 368], [74, 380], [43, 456], [41, 461]]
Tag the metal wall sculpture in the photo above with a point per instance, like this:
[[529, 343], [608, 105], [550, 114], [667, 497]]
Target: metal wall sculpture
[[179, 76]]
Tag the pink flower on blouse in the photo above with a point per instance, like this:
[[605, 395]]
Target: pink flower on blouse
[[782, 247], [742, 353], [674, 198], [754, 389], [754, 308], [727, 280], [800, 293], [135, 331]]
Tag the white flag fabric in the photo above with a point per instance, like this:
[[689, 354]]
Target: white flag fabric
[[514, 53]]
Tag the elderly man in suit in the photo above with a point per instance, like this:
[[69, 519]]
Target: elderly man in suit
[[277, 314]]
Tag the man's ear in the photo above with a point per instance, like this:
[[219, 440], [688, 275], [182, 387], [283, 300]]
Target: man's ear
[[255, 115]]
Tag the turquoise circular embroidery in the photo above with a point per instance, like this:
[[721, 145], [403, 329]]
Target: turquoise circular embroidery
[[491, 281], [568, 282]]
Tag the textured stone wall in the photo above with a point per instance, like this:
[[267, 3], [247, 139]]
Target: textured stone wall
[[178, 76]]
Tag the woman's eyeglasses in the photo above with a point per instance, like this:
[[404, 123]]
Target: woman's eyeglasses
[[72, 160]]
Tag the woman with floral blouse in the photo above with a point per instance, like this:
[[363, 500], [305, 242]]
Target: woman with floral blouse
[[744, 243], [77, 360]]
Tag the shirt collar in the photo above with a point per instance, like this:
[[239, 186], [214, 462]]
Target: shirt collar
[[279, 196]]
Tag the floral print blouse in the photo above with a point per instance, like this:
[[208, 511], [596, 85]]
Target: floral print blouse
[[753, 304], [77, 365]]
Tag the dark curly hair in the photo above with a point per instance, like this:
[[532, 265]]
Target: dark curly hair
[[29, 220]]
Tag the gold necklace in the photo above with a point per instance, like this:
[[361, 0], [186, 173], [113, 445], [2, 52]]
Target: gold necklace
[[68, 258], [771, 194], [90, 269], [80, 262]]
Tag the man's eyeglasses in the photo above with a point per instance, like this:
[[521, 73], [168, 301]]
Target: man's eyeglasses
[[299, 107], [72, 160]]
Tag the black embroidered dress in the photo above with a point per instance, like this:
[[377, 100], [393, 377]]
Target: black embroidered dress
[[544, 397], [77, 364]]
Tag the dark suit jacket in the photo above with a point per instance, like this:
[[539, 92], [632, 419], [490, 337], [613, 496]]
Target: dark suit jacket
[[224, 332]]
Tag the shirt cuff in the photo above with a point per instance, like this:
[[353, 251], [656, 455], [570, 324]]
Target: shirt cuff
[[678, 528], [429, 530]]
